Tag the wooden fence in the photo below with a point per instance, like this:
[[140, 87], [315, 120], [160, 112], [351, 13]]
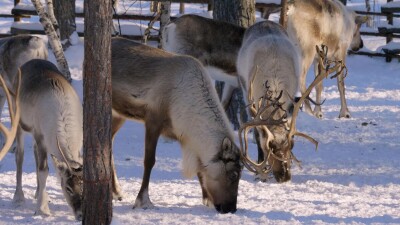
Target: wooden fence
[[389, 10]]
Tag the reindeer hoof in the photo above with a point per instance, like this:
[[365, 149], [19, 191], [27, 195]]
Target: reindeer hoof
[[345, 114], [18, 198], [140, 204], [43, 212]]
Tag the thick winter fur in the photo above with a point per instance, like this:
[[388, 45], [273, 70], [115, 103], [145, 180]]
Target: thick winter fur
[[267, 46], [52, 112], [14, 52], [215, 43], [328, 22], [173, 96]]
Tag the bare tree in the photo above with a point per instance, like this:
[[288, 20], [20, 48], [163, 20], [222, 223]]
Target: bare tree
[[242, 13], [54, 41], [97, 186]]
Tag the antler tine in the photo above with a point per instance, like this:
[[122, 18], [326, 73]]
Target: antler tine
[[65, 159], [13, 108], [258, 168], [325, 70]]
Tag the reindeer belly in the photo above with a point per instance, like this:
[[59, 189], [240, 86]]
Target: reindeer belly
[[130, 109]]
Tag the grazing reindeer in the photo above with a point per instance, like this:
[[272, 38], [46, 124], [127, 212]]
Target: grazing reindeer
[[327, 22], [268, 66], [14, 52], [173, 96], [215, 43], [51, 111]]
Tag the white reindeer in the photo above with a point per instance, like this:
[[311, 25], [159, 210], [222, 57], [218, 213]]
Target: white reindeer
[[269, 66], [51, 111], [173, 96], [327, 22]]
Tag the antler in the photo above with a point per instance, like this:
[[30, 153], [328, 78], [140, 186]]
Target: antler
[[324, 69], [262, 169], [72, 170], [13, 108], [264, 103]]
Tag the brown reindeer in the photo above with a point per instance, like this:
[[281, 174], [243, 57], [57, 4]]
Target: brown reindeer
[[173, 96]]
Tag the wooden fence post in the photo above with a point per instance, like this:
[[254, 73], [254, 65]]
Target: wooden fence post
[[17, 18]]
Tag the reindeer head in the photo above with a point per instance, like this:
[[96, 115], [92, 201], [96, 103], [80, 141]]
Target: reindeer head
[[357, 42], [271, 119], [220, 178], [71, 176]]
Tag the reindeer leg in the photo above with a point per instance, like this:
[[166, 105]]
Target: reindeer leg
[[35, 151], [308, 58], [259, 149], [19, 198], [117, 123], [152, 135], [344, 111], [318, 89], [226, 95], [42, 207]]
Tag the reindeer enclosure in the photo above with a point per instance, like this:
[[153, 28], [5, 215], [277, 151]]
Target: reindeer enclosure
[[353, 178]]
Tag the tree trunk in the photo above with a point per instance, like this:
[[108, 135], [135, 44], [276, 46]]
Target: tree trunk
[[242, 13], [165, 11], [54, 41], [52, 17], [239, 12], [97, 186], [64, 11]]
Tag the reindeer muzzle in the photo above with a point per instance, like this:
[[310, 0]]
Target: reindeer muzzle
[[226, 208]]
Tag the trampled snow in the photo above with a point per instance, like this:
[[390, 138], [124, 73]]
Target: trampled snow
[[353, 177]]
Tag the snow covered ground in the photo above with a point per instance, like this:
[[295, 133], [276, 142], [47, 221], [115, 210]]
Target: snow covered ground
[[353, 178]]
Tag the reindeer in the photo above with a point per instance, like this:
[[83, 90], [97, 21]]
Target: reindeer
[[14, 52], [215, 43], [173, 96], [327, 22], [50, 110], [268, 66]]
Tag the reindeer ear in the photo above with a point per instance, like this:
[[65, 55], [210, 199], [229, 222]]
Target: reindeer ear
[[361, 19], [226, 144], [61, 166]]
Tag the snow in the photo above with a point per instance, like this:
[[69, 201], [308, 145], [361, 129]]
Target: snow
[[353, 177]]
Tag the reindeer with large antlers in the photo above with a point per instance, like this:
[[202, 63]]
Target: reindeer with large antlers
[[47, 106], [268, 68], [270, 82]]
